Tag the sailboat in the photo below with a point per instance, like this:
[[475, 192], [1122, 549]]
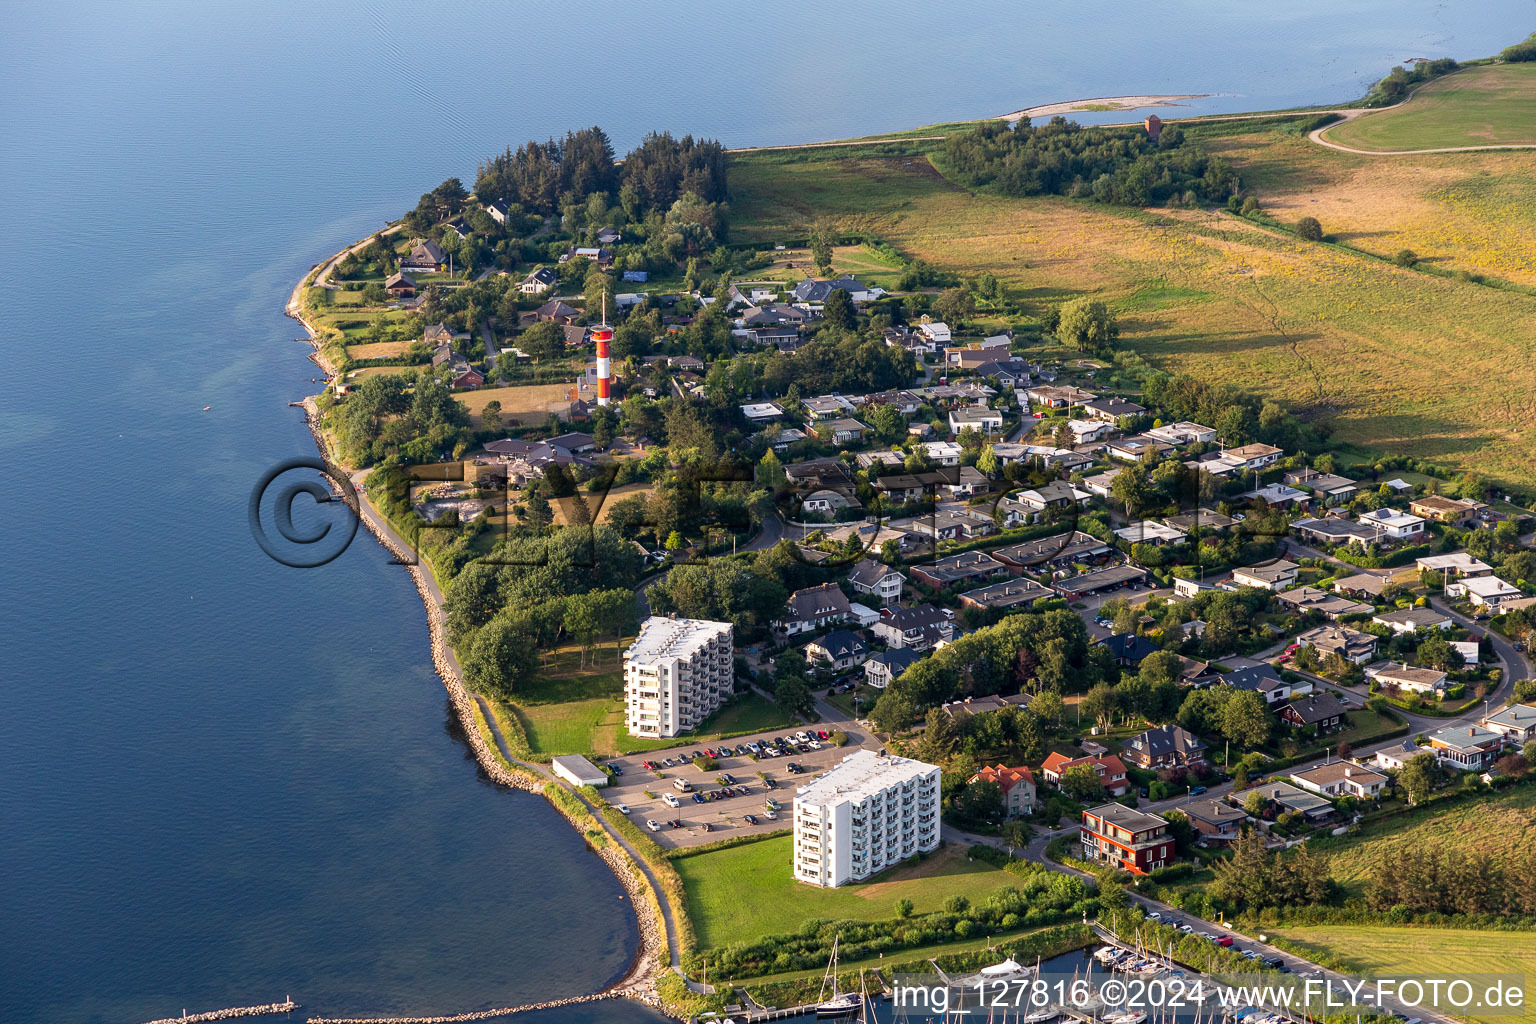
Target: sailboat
[[840, 1004]]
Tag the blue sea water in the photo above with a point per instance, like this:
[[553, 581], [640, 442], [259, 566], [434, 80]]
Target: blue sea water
[[222, 780]]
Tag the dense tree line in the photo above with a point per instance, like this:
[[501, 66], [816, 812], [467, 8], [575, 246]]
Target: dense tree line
[[1109, 165], [544, 176], [1254, 878], [412, 418], [1425, 878], [1048, 651]]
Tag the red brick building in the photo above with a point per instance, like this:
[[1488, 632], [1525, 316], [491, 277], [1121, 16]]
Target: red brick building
[[1127, 838]]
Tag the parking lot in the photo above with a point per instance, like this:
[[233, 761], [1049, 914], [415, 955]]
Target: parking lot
[[741, 786]]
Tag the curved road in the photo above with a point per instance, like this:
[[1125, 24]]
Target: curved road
[[1316, 135]]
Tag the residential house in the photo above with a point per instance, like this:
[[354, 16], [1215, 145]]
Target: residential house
[[1109, 769], [762, 412], [827, 502], [498, 211], [1277, 496], [1182, 433], [1254, 456], [885, 666], [1397, 755], [1009, 373], [1328, 488], [877, 580], [828, 407], [1321, 711], [1102, 484], [1034, 503], [843, 430], [1411, 620], [983, 421], [400, 285], [1136, 447], [823, 472], [1017, 786], [1406, 677], [1393, 524], [1516, 723], [1452, 511], [1055, 397], [1261, 679], [1457, 564], [556, 312], [1276, 575], [1126, 838], [1089, 431], [591, 253], [905, 488], [1341, 778], [425, 257], [1053, 552], [1111, 409], [1332, 607], [966, 567], [1099, 580], [1168, 746], [815, 291], [1362, 585], [1336, 530], [1206, 520], [1349, 644], [812, 608], [1483, 591], [1286, 797], [608, 236], [1468, 748], [938, 333], [1129, 648], [944, 453], [918, 627], [1147, 531], [838, 650], [1006, 596], [1217, 822], [965, 481]]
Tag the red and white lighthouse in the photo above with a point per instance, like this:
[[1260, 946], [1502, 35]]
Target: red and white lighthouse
[[601, 336]]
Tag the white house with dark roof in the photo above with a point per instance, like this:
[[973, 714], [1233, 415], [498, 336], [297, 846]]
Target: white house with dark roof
[[877, 580], [812, 608], [1516, 723]]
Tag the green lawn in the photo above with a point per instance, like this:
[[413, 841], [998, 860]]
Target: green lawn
[[746, 714], [744, 892], [1422, 952], [1485, 106]]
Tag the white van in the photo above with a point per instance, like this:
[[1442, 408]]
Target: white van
[[671, 800]]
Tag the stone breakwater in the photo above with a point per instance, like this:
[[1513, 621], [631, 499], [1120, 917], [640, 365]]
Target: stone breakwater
[[506, 1011], [230, 1014], [637, 983]]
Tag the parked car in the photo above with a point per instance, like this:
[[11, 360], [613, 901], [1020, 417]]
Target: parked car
[[1224, 940], [750, 819], [1196, 790], [1154, 916], [698, 798], [616, 769], [622, 808], [653, 824], [671, 800]]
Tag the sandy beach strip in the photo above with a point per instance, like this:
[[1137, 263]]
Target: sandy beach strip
[[1101, 104]]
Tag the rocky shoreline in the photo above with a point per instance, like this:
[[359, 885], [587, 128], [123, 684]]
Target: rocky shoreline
[[638, 981]]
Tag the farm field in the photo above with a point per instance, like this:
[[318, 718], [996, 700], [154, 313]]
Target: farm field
[[1421, 952], [1481, 106], [379, 349], [1458, 211], [1402, 361], [741, 893], [1496, 823]]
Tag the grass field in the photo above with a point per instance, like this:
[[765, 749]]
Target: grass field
[[527, 401], [1458, 211], [1496, 823], [1422, 952], [1401, 361], [744, 892], [379, 349], [562, 506], [746, 714], [1483, 106]]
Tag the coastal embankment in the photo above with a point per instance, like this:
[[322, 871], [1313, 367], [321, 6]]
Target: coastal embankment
[[475, 1015], [234, 1012], [636, 983]]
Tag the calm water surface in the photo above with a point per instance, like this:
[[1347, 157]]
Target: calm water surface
[[222, 780]]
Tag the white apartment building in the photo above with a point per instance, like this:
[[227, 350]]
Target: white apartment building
[[871, 811], [677, 672]]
